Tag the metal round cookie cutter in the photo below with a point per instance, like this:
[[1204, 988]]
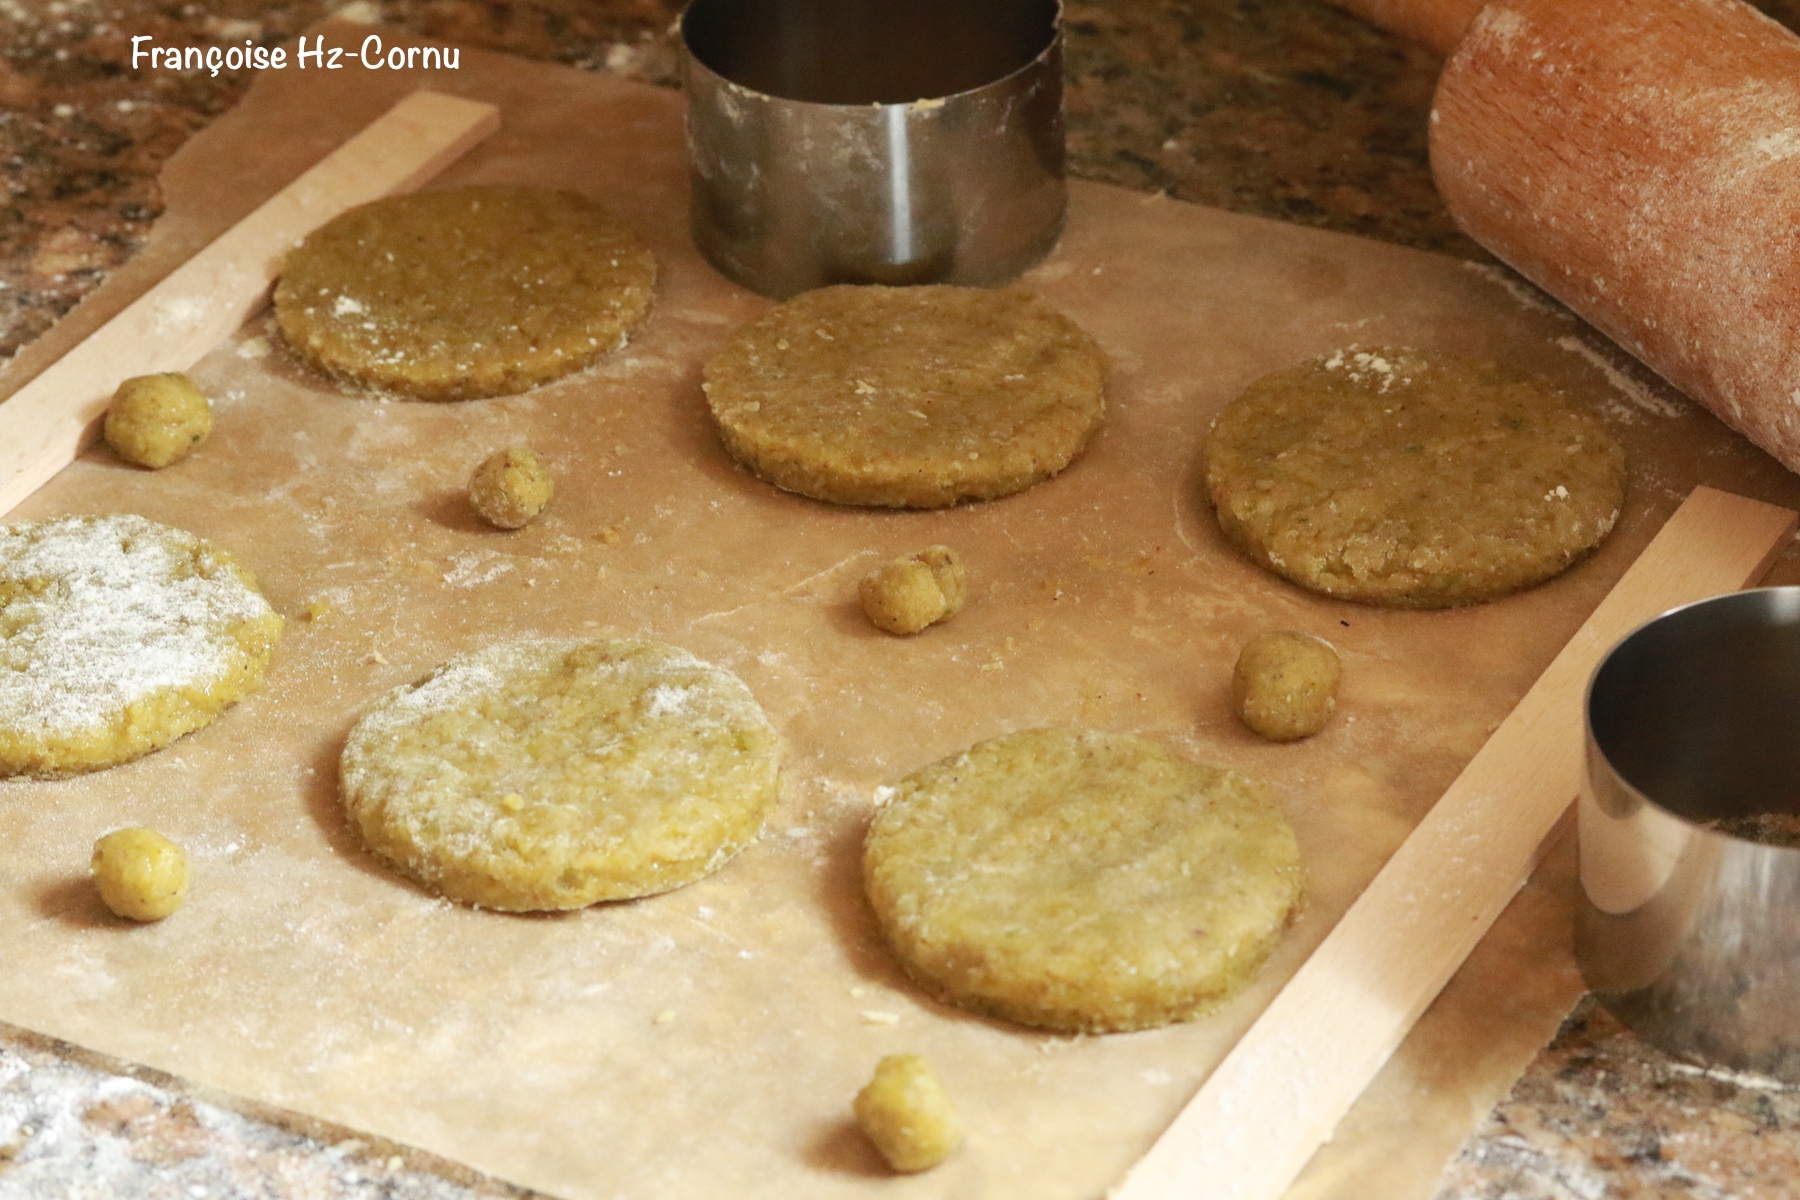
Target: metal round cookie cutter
[[1689, 924], [874, 141]]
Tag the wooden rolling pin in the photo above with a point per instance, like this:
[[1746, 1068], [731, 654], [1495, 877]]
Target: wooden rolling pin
[[1640, 161]]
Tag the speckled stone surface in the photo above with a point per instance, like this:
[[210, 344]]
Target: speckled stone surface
[[1599, 1114], [1283, 108]]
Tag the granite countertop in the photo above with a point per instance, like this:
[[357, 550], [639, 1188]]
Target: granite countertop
[[1282, 108]]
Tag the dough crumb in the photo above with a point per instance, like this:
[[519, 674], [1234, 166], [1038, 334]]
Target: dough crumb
[[906, 1113], [141, 874], [511, 488], [1285, 684], [155, 420], [915, 590]]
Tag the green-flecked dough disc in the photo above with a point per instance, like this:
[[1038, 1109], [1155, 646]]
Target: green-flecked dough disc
[[913, 397], [1411, 479], [1081, 881], [466, 292], [117, 636], [554, 773]]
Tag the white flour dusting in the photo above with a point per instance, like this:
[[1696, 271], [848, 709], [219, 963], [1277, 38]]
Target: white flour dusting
[[178, 314], [1626, 386], [97, 613], [666, 699], [68, 1129], [472, 569], [1522, 292], [1365, 368]]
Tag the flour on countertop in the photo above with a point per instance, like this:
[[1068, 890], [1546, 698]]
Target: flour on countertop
[[67, 1129]]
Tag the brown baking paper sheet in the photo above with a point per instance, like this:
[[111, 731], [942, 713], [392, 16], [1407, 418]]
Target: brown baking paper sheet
[[707, 1042]]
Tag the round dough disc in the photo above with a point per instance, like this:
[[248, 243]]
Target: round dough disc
[[117, 636], [554, 773], [1410, 479], [914, 397], [472, 291], [1078, 880]]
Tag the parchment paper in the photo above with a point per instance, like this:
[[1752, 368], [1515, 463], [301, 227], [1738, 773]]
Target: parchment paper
[[707, 1042]]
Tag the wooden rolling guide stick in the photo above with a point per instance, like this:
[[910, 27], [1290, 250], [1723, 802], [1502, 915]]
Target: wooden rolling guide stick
[[1279, 1093], [52, 418], [1640, 161]]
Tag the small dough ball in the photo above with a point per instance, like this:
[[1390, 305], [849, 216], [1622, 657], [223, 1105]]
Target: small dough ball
[[155, 420], [915, 590], [905, 1111], [511, 488], [1285, 684], [141, 874]]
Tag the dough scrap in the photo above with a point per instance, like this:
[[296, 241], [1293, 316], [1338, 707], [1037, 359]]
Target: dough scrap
[[1285, 684], [905, 1111], [156, 420], [511, 487], [117, 636], [911, 397], [915, 590], [555, 773], [466, 292], [1411, 479], [1081, 881], [141, 875]]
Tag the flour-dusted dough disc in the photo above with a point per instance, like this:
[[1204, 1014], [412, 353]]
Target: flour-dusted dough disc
[[1410, 479], [915, 397], [1078, 880], [471, 291], [554, 773], [117, 636]]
